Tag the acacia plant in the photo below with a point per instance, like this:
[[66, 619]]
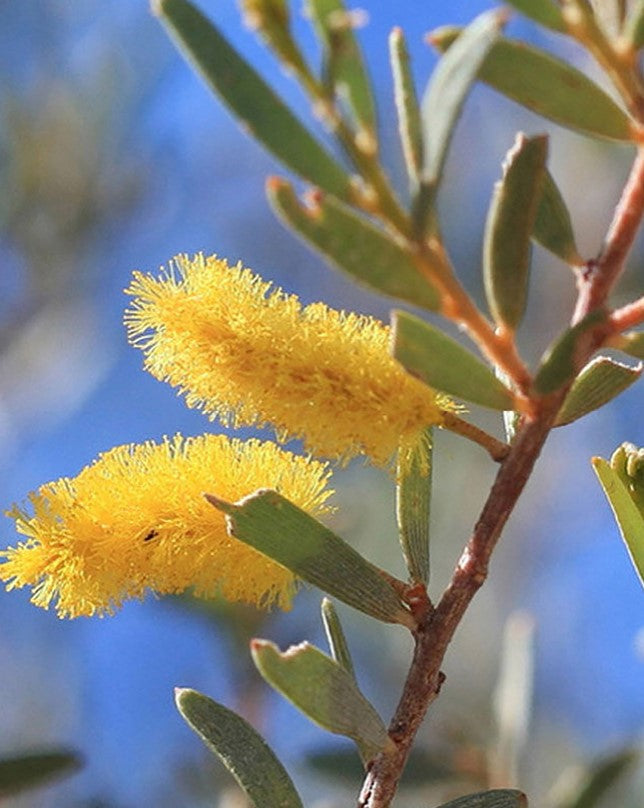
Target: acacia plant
[[241, 520]]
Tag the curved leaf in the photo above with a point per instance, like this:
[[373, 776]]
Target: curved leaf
[[627, 514], [240, 748], [553, 226], [271, 524], [265, 116], [413, 499], [558, 365], [409, 123], [509, 227], [370, 256], [335, 636], [324, 691], [598, 383], [547, 86], [345, 67], [444, 98], [444, 364]]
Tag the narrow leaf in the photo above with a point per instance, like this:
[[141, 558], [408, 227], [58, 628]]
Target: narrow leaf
[[250, 99], [634, 30], [324, 691], [547, 86], [335, 636], [345, 66], [282, 531], [413, 499], [509, 227], [409, 123], [627, 515], [598, 383], [632, 343], [545, 12], [553, 226], [600, 779], [444, 99], [558, 365], [497, 798], [240, 748], [37, 769], [354, 245], [445, 365]]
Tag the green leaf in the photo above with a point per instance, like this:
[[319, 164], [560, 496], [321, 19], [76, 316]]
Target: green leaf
[[547, 86], [558, 365], [409, 123], [634, 29], [370, 256], [346, 71], [444, 99], [35, 770], [510, 223], [271, 524], [413, 499], [335, 637], [544, 12], [602, 776], [250, 99], [598, 383], [442, 363], [240, 748], [553, 226], [627, 515], [324, 691], [497, 798], [632, 343]]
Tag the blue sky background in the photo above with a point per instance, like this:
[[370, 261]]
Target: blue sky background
[[71, 387]]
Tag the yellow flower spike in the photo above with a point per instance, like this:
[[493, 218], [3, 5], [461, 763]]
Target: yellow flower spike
[[251, 355], [136, 520]]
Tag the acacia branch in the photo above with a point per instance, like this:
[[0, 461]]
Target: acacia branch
[[437, 626]]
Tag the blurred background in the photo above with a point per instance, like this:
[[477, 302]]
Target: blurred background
[[113, 157]]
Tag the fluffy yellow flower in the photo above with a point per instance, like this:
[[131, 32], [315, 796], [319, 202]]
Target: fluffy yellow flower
[[252, 355], [136, 520]]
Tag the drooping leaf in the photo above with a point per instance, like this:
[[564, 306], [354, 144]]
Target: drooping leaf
[[510, 223], [37, 769], [282, 531], [442, 363], [345, 68], [601, 777], [413, 499], [370, 256], [324, 691], [627, 515], [250, 99], [598, 383], [240, 748], [497, 798], [443, 100], [335, 636], [409, 123], [547, 86], [558, 364], [545, 12], [632, 343], [553, 226]]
